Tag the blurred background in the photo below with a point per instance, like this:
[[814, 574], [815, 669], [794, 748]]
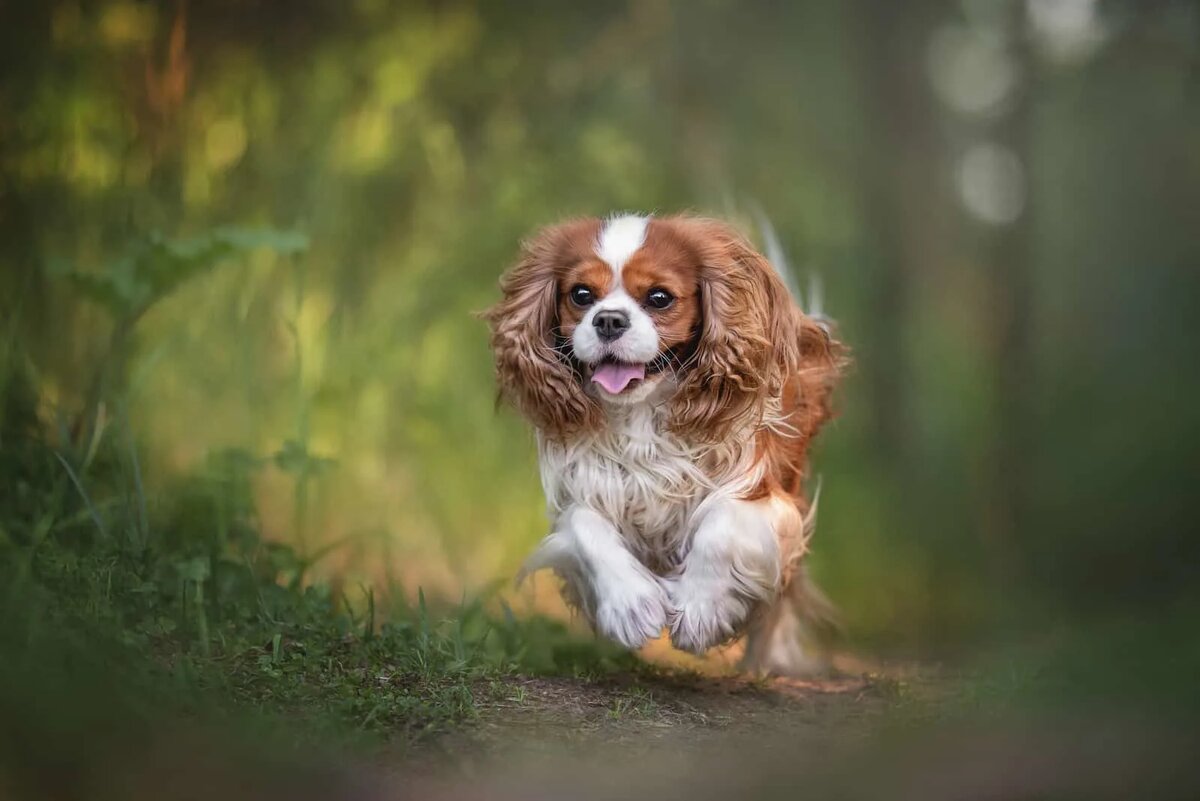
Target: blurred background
[[255, 234], [251, 466]]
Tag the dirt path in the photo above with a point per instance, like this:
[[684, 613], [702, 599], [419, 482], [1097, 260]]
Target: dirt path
[[625, 719]]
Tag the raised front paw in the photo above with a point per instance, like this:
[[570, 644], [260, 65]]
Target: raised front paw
[[705, 612], [632, 612]]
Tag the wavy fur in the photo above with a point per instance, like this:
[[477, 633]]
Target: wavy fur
[[681, 502]]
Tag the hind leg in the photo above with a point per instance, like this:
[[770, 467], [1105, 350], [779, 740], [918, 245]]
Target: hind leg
[[790, 637]]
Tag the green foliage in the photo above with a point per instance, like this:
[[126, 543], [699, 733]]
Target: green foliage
[[294, 458], [154, 266], [194, 610]]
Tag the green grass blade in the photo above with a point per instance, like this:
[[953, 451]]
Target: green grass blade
[[143, 526], [83, 494]]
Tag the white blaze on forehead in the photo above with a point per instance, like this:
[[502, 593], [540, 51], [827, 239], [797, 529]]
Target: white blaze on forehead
[[620, 238]]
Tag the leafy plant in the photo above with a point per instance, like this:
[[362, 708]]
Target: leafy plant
[[151, 268], [154, 266]]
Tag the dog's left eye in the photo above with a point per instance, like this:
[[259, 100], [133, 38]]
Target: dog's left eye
[[659, 298]]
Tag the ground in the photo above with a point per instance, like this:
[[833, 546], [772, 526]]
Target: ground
[[682, 715]]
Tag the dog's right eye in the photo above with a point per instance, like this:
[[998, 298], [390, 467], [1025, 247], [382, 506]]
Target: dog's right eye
[[582, 296]]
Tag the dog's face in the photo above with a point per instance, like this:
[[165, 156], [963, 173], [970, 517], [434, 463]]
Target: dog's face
[[682, 311], [629, 310]]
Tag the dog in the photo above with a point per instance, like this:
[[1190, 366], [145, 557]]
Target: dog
[[675, 386]]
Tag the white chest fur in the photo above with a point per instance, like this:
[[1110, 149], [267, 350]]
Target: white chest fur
[[646, 481]]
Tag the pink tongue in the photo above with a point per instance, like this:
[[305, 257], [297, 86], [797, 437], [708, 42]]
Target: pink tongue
[[615, 377]]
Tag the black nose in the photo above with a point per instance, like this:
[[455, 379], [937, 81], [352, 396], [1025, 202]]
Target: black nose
[[611, 324]]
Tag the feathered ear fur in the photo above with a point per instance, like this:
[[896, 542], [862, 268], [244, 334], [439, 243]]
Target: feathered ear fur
[[753, 337], [533, 371]]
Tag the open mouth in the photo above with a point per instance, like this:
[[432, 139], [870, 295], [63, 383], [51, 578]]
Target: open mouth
[[615, 377]]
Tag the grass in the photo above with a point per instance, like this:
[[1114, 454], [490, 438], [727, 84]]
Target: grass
[[174, 606], [639, 702], [121, 604]]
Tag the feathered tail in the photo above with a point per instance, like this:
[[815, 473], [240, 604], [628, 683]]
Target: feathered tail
[[815, 305]]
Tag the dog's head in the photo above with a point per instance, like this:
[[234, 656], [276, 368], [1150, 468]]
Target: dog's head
[[603, 314]]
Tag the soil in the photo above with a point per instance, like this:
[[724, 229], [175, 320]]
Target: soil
[[672, 718]]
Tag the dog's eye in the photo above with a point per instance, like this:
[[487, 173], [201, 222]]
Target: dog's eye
[[582, 296], [659, 299]]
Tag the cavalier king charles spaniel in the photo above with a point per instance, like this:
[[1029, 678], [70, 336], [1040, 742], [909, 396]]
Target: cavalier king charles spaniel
[[675, 385]]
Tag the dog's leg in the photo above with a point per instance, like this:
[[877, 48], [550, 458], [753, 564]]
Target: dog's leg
[[790, 638], [622, 599], [733, 565]]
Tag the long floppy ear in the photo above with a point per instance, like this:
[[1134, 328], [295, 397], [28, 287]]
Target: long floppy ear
[[753, 337], [533, 371]]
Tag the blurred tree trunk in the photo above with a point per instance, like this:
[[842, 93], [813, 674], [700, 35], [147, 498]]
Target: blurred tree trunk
[[1008, 260], [903, 207]]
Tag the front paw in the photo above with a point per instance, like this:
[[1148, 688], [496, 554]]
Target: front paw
[[632, 613], [705, 612]]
